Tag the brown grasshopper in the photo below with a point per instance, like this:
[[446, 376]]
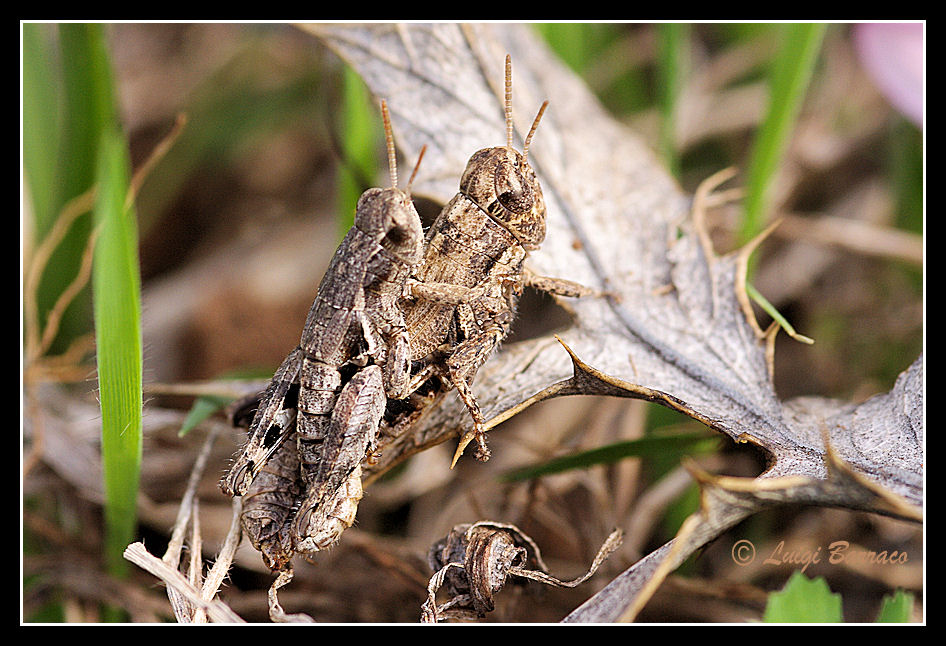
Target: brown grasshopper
[[353, 320], [331, 501], [279, 517], [271, 501], [462, 298]]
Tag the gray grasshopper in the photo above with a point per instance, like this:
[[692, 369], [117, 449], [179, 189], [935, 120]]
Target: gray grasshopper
[[280, 517], [332, 498], [271, 501], [354, 320], [463, 297]]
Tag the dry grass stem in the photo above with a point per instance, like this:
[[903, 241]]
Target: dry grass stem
[[40, 259], [216, 610], [854, 236]]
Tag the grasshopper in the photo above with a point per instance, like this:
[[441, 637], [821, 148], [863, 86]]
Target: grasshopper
[[462, 298], [331, 501], [279, 516], [271, 501], [353, 320]]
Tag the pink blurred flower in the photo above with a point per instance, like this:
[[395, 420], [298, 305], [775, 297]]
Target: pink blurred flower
[[893, 55]]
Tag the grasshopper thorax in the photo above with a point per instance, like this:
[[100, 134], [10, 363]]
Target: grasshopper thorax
[[501, 182]]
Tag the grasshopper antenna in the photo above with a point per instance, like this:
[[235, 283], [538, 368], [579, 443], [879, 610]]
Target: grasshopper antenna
[[392, 152], [508, 109], [389, 140], [535, 124], [420, 156], [507, 104]]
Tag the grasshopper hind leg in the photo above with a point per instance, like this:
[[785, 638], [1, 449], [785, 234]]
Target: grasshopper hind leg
[[268, 429], [330, 506]]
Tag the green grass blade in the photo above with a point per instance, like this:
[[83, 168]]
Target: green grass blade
[[788, 81], [896, 608], [203, 407], [657, 445], [764, 303], [78, 100], [89, 103], [117, 308], [672, 56], [359, 140], [40, 124]]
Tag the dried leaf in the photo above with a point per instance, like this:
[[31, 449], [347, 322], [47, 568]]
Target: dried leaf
[[674, 330]]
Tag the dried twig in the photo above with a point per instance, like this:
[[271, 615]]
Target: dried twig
[[276, 613], [215, 609], [186, 609]]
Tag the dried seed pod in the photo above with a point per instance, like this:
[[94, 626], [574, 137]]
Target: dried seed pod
[[473, 562]]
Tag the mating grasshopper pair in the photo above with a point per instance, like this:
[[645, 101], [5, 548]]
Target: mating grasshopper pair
[[394, 310]]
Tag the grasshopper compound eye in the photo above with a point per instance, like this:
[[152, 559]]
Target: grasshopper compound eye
[[514, 190]]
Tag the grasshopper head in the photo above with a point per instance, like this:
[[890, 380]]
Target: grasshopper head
[[388, 216], [501, 182]]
